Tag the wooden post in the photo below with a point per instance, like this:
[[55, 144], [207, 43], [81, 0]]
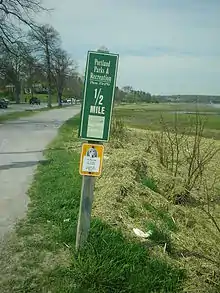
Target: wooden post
[[88, 182], [85, 210]]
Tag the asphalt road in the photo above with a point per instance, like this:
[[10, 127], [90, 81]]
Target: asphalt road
[[22, 107], [21, 145]]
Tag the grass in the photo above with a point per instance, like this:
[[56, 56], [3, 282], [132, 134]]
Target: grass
[[41, 257], [147, 116], [159, 235], [181, 234], [162, 215], [176, 257], [42, 97], [150, 183], [167, 107], [22, 114]]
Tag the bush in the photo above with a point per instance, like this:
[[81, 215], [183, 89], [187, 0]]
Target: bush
[[176, 149], [118, 130]]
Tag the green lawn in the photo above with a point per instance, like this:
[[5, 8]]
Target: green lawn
[[170, 107], [41, 256], [43, 98], [21, 114], [147, 116]]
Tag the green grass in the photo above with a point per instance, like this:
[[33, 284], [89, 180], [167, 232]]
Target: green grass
[[26, 113], [159, 235], [150, 183], [42, 97], [161, 226], [147, 116], [162, 215], [43, 257], [133, 211], [163, 107]]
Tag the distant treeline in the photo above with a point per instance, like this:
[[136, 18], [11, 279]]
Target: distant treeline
[[190, 98], [128, 95]]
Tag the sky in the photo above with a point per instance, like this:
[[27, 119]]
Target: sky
[[165, 46]]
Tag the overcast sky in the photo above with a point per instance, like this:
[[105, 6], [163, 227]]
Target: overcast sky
[[165, 46]]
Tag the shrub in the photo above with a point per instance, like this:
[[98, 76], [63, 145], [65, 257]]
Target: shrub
[[118, 129]]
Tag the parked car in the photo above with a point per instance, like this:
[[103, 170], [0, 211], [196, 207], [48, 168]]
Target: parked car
[[6, 101], [68, 100], [64, 100], [34, 100], [3, 104]]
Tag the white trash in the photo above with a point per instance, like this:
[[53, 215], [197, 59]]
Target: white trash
[[141, 234]]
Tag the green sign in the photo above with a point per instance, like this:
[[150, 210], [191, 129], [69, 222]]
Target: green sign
[[99, 89]]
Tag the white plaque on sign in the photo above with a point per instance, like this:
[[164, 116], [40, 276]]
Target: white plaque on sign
[[90, 164], [96, 126]]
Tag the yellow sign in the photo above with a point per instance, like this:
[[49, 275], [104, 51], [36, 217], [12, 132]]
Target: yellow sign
[[91, 159]]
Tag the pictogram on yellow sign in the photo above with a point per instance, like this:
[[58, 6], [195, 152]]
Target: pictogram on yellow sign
[[91, 159]]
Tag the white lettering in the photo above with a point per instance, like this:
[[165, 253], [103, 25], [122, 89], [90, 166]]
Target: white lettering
[[102, 63], [99, 70], [97, 110], [92, 109], [100, 78]]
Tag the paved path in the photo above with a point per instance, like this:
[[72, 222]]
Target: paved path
[[21, 145]]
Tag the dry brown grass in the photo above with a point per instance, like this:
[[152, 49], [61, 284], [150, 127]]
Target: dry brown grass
[[121, 198]]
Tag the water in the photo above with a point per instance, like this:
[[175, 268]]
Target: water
[[215, 105], [194, 112]]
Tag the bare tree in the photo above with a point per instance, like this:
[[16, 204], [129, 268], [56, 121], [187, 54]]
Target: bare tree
[[211, 199], [197, 156], [46, 40], [12, 67], [62, 67], [33, 72], [74, 85], [177, 147], [13, 13]]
